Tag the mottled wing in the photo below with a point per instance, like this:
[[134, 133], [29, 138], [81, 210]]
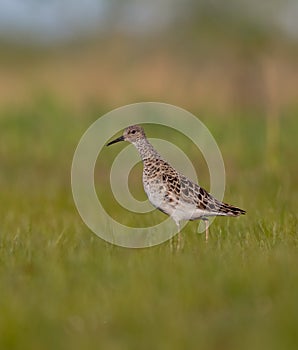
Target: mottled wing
[[171, 180], [194, 194]]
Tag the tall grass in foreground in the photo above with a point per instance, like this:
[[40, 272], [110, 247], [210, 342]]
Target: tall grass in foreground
[[62, 287]]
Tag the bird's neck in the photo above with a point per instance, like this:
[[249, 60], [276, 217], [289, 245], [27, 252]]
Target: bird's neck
[[145, 149]]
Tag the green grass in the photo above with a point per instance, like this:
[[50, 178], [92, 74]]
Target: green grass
[[61, 287]]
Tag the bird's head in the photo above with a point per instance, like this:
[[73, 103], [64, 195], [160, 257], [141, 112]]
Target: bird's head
[[131, 134]]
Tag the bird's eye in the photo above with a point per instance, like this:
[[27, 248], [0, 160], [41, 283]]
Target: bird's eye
[[133, 131]]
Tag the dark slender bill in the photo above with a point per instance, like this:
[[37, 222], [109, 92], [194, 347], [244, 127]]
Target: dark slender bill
[[121, 138]]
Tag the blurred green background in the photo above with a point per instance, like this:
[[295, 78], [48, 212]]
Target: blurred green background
[[63, 64]]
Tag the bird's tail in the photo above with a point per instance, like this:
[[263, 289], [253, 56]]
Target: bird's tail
[[230, 210]]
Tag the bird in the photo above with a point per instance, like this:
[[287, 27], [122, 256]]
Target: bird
[[169, 190]]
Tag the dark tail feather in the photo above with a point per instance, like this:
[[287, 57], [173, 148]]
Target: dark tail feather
[[231, 210]]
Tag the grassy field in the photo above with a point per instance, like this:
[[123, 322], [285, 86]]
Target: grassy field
[[61, 287]]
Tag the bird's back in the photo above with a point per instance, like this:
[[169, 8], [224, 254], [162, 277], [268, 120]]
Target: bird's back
[[175, 194]]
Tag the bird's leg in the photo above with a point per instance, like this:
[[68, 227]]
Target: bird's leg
[[171, 244], [173, 240], [206, 229], [179, 236]]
